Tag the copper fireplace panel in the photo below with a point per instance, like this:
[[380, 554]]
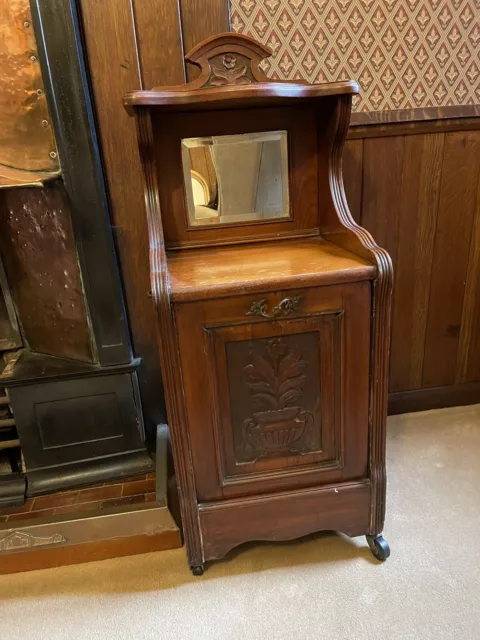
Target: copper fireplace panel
[[28, 152]]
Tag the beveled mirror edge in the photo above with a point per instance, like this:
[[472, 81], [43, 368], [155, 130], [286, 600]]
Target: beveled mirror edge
[[282, 136]]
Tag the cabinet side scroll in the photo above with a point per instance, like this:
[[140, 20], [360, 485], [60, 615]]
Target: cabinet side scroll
[[341, 229], [167, 343]]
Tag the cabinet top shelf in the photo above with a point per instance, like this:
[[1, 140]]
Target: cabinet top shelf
[[234, 97], [260, 267]]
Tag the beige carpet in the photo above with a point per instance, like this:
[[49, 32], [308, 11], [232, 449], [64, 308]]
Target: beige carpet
[[322, 587]]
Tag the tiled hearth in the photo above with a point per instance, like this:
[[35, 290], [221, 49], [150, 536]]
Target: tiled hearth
[[94, 523], [135, 491]]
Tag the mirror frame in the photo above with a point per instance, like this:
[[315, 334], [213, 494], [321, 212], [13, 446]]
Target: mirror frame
[[302, 124]]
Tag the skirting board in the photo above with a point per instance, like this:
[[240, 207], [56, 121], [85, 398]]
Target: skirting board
[[434, 398]]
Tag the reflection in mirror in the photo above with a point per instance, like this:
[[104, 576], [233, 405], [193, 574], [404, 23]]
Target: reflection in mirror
[[237, 178]]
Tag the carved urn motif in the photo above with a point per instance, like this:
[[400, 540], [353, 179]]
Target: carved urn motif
[[276, 378]]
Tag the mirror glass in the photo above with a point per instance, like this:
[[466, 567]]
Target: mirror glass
[[237, 178]]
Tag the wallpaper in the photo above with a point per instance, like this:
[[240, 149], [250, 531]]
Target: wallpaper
[[403, 53]]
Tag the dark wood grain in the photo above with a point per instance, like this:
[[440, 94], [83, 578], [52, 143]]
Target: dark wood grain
[[168, 348], [233, 60], [426, 163], [413, 128], [415, 115], [353, 176], [241, 96], [407, 360], [283, 418], [210, 327], [457, 206], [114, 68], [339, 227], [382, 171], [468, 361], [202, 19], [420, 192], [451, 395], [290, 515], [41, 263], [159, 42], [216, 272]]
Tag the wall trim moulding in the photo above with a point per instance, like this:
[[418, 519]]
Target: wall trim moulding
[[415, 115]]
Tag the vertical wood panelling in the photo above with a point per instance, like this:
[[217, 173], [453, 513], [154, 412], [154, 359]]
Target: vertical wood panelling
[[114, 67], [382, 189], [421, 201], [134, 44], [159, 42], [468, 362], [422, 165], [202, 19], [396, 187], [352, 176], [458, 200]]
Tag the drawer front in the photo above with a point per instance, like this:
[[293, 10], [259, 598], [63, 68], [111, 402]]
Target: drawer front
[[276, 389]]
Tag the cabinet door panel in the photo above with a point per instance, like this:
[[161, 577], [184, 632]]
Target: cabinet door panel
[[276, 394], [276, 402]]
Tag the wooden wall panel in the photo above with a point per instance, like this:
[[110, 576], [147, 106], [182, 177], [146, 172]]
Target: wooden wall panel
[[382, 185], [202, 19], [394, 183], [422, 165], [420, 198], [458, 200], [353, 178], [159, 42], [468, 363], [111, 42], [134, 44]]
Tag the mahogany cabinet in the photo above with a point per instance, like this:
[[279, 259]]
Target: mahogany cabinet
[[273, 306]]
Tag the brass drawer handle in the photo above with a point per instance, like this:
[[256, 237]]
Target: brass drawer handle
[[283, 308]]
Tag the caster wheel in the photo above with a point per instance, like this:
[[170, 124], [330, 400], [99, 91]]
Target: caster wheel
[[379, 547], [197, 570]]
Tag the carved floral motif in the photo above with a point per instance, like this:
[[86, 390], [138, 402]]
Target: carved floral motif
[[276, 379], [229, 69]]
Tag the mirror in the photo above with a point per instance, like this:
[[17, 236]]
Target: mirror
[[237, 178]]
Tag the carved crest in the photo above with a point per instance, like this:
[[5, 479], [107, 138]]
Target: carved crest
[[229, 69], [230, 59], [276, 379]]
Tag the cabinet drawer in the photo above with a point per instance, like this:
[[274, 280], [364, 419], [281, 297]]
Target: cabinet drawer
[[276, 388]]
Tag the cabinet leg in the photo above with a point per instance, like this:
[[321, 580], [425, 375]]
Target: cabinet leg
[[379, 547], [197, 570]]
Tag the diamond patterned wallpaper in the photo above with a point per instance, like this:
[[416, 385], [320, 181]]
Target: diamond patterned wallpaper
[[403, 53]]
